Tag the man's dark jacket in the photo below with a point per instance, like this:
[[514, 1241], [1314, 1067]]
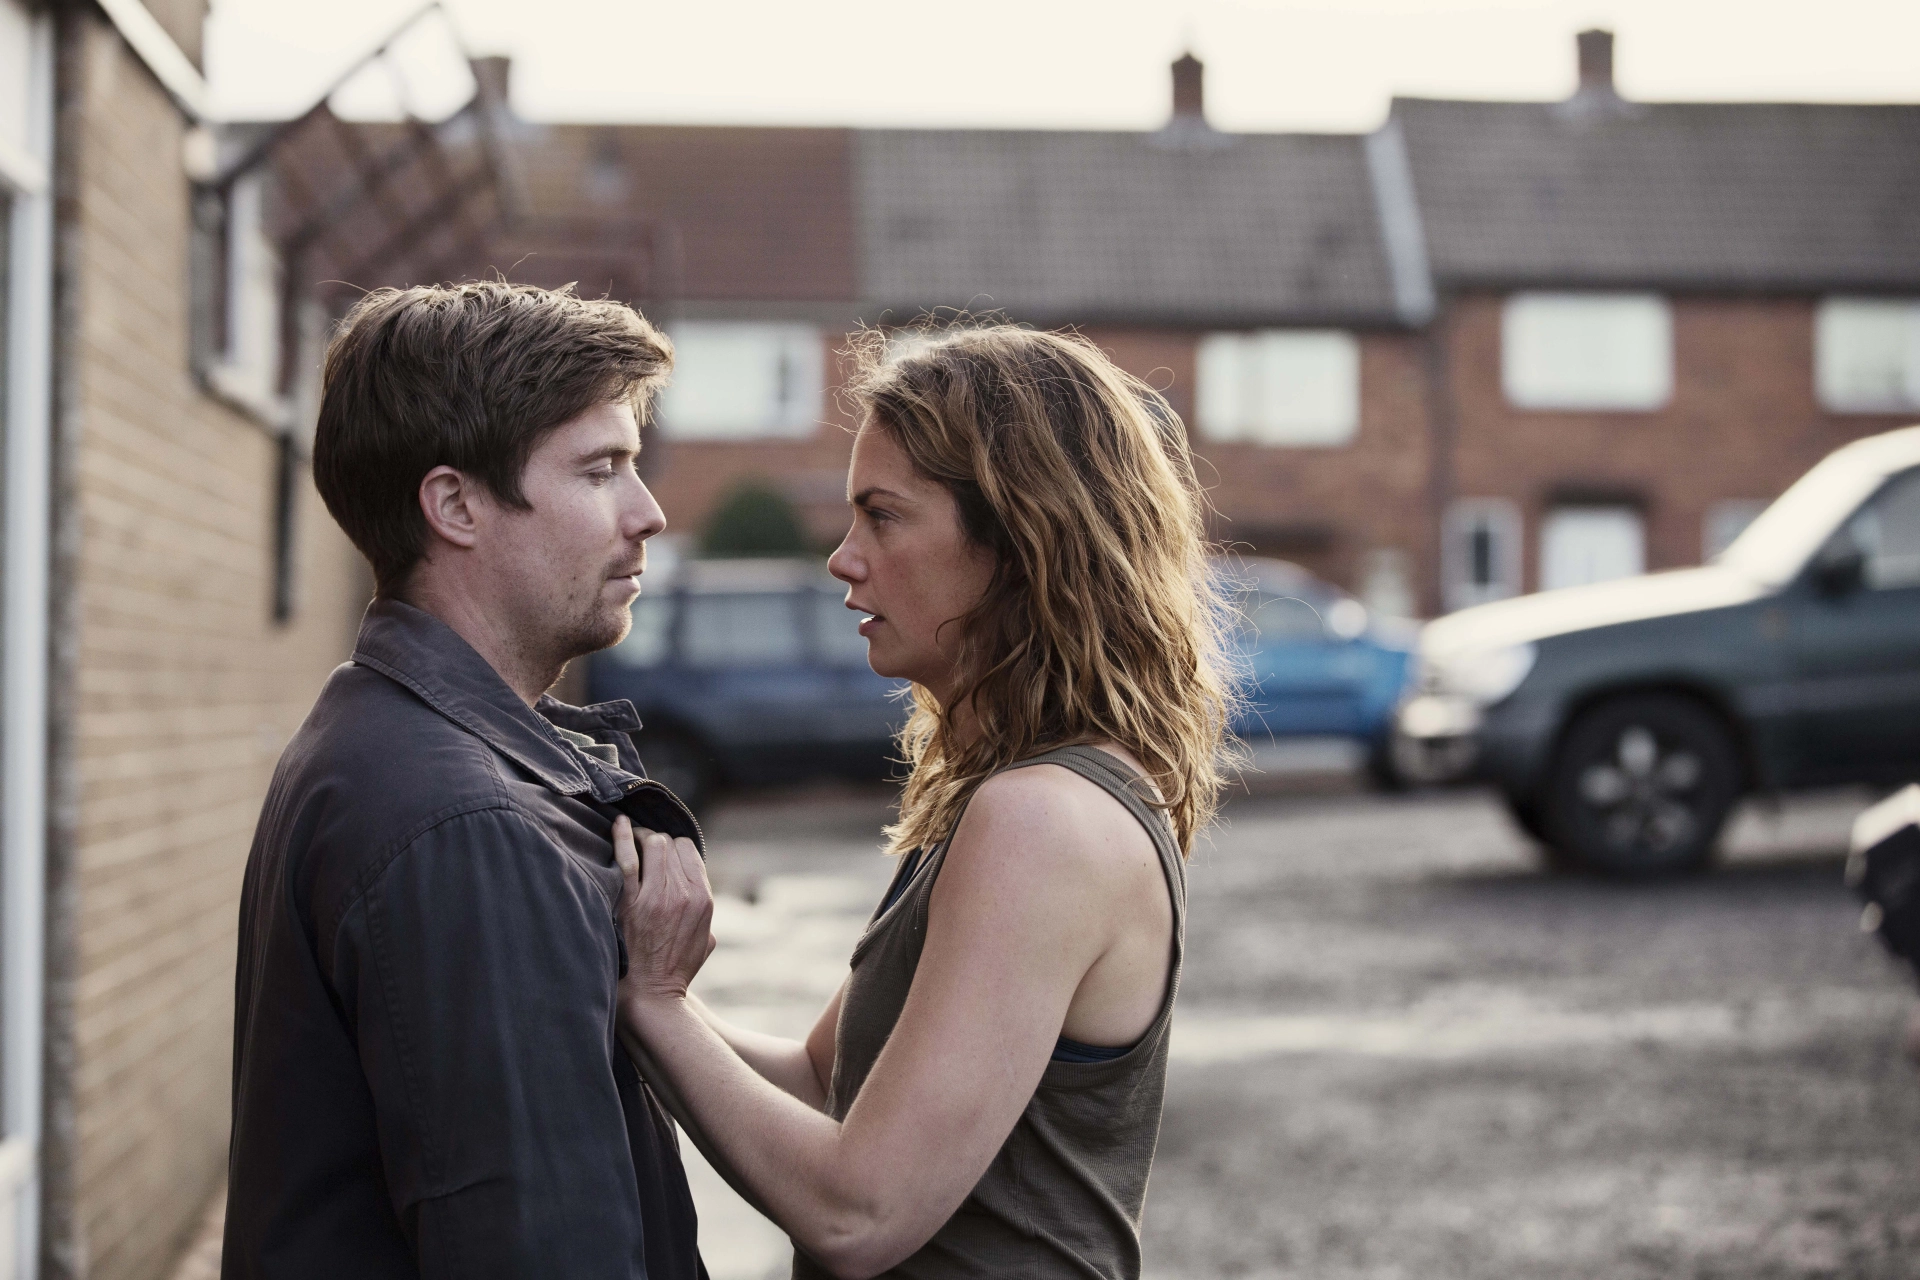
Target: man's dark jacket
[[426, 1080]]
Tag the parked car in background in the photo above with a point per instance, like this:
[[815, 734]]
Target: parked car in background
[[747, 672], [1317, 663], [1622, 720]]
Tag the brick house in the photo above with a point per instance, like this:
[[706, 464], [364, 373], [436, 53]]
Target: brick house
[[1653, 317], [155, 653], [1488, 348]]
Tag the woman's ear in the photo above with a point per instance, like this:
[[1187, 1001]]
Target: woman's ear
[[447, 499]]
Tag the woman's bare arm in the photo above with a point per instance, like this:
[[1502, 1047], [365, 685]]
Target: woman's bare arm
[[1019, 915], [795, 1066]]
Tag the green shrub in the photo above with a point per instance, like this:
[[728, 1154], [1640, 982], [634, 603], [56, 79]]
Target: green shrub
[[754, 520]]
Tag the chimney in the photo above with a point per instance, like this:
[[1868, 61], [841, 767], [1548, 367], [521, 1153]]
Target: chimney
[[1596, 101], [1596, 61], [1189, 101], [491, 77]]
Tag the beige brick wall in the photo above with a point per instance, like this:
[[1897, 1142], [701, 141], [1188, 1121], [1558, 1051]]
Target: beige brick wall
[[187, 688]]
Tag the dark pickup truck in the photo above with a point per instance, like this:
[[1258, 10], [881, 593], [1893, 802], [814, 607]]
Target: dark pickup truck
[[1622, 720]]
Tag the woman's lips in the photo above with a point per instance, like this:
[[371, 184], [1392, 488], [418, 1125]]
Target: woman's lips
[[868, 624]]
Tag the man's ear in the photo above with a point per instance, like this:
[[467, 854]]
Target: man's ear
[[447, 500]]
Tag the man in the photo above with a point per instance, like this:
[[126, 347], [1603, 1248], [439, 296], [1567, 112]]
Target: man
[[426, 1079]]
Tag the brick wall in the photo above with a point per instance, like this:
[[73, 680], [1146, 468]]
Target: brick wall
[[186, 688], [1743, 423]]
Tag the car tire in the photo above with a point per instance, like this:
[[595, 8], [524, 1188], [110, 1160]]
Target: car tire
[[1641, 786], [1382, 772], [681, 763], [1526, 814]]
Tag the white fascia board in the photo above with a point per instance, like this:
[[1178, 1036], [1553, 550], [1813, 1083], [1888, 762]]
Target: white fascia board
[[172, 68]]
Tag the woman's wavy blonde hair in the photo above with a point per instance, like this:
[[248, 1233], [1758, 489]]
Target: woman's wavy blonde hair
[[1101, 620]]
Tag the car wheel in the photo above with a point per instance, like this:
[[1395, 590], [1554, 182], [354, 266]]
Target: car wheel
[[680, 763], [1641, 786]]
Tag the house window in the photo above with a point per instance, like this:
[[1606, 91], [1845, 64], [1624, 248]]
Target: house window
[[1724, 522], [1279, 387], [1866, 355], [734, 381], [1579, 545], [247, 370], [1587, 351], [1481, 555]]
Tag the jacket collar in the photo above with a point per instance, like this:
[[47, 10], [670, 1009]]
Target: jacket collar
[[415, 649]]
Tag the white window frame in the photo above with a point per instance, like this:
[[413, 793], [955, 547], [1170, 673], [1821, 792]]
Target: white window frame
[[1536, 328], [1839, 322], [1241, 391], [1501, 518], [26, 200], [247, 371], [802, 351]]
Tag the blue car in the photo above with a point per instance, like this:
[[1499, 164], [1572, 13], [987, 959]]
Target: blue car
[[749, 672], [1317, 664]]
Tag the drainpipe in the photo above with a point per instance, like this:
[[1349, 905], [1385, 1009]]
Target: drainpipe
[[62, 1251], [1443, 422]]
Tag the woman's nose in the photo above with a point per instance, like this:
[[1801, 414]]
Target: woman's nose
[[845, 564]]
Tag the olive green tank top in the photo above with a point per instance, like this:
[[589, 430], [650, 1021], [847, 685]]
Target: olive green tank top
[[1064, 1195]]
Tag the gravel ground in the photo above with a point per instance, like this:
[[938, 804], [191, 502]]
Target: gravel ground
[[1425, 1058]]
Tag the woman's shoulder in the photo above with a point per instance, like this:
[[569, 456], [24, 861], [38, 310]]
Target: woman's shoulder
[[1049, 808]]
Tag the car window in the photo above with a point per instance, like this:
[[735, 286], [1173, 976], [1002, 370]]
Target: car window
[[1283, 619], [836, 629], [646, 643], [747, 629], [1887, 531]]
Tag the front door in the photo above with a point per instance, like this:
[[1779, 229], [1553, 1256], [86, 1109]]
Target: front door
[[1857, 648], [1583, 544]]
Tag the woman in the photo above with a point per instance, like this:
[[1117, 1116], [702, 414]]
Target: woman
[[983, 1096]]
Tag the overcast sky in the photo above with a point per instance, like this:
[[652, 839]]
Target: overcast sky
[[1271, 64]]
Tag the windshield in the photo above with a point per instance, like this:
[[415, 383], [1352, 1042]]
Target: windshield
[[1784, 536]]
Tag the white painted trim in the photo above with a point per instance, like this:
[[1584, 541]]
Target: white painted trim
[[1401, 231], [171, 67], [24, 561], [21, 170]]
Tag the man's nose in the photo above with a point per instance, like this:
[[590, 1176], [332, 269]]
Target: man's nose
[[643, 516]]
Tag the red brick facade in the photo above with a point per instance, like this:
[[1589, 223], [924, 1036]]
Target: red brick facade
[[1743, 423]]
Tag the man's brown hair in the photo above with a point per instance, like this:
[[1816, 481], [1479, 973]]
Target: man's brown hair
[[469, 376]]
